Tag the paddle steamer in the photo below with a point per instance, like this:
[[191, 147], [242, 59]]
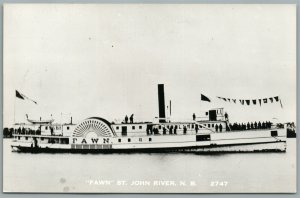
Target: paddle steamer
[[212, 133]]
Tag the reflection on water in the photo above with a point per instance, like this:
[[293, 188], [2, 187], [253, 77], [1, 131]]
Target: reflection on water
[[243, 172]]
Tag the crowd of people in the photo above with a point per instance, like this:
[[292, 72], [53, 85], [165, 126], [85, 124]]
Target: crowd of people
[[26, 131], [250, 126]]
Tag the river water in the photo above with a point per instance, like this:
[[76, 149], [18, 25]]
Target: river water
[[169, 172]]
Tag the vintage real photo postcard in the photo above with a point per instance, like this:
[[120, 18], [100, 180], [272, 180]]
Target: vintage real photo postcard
[[149, 98]]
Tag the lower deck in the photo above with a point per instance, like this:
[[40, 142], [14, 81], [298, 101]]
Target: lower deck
[[154, 142]]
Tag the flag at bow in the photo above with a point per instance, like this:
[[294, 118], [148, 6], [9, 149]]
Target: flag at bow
[[205, 98], [23, 97]]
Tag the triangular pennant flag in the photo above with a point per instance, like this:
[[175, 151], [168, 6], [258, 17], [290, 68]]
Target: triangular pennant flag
[[234, 100], [271, 99], [19, 95], [224, 99], [254, 102], [248, 102], [259, 102], [265, 100], [23, 97], [204, 98], [228, 99], [242, 102], [276, 98], [281, 103]]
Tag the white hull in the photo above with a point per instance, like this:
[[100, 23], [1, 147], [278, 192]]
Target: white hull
[[250, 141]]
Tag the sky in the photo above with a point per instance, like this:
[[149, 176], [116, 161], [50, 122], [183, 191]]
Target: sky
[[106, 60]]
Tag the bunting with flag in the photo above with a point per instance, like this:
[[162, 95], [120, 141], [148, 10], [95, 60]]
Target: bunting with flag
[[250, 102]]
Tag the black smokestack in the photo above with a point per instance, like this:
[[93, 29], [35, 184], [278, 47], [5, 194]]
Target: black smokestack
[[161, 103]]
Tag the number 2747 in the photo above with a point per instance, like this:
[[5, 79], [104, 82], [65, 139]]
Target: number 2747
[[219, 183]]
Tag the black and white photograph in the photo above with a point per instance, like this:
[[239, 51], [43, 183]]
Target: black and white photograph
[[149, 98]]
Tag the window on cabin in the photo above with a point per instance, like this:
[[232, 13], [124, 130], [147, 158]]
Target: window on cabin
[[68, 128], [64, 141], [117, 128], [26, 138], [192, 126], [140, 139], [129, 140], [19, 137], [140, 127], [159, 127], [46, 128], [212, 125], [208, 125], [42, 138], [150, 139], [274, 133], [133, 127], [119, 140]]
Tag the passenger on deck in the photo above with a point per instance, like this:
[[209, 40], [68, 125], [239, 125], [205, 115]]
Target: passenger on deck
[[175, 130], [171, 130], [234, 126], [251, 125], [126, 119], [226, 116], [194, 116], [148, 131], [259, 125], [196, 128], [155, 130], [184, 130], [164, 131], [217, 127], [248, 126], [220, 127], [51, 131], [131, 118], [23, 130], [263, 125], [255, 125]]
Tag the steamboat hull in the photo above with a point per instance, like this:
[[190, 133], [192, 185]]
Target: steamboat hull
[[279, 146], [89, 140]]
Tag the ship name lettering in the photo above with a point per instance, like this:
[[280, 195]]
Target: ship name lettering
[[74, 140], [105, 140], [95, 141], [83, 141]]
